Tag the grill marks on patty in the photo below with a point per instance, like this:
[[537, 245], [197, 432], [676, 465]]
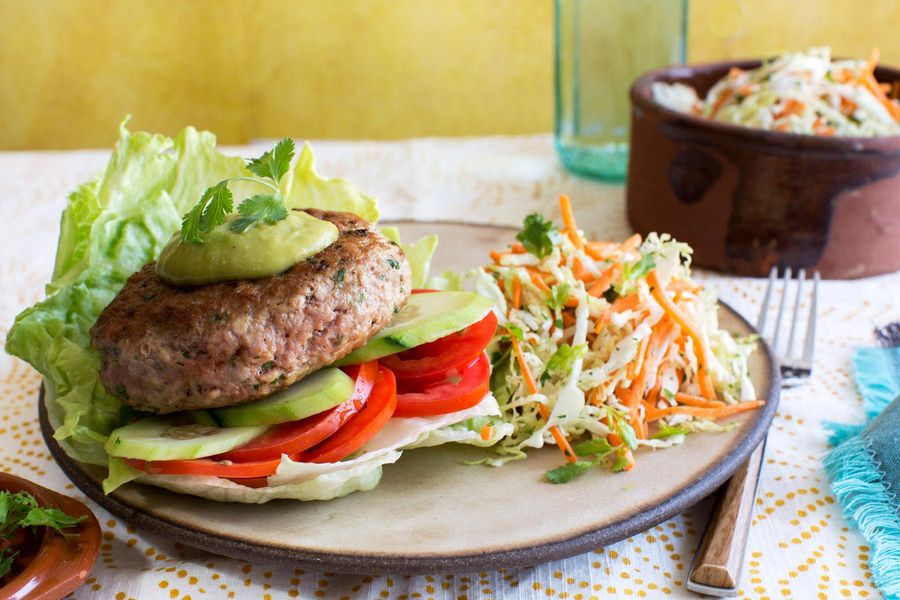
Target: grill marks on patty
[[165, 348]]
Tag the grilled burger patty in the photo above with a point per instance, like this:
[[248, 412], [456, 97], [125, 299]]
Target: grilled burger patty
[[165, 348]]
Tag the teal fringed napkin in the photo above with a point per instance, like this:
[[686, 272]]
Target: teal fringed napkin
[[864, 467]]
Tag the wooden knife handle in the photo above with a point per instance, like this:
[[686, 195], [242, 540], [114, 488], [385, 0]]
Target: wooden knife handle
[[720, 558]]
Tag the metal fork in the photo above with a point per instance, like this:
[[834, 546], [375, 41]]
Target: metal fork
[[717, 565]]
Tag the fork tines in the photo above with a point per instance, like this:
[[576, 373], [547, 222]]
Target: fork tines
[[794, 368]]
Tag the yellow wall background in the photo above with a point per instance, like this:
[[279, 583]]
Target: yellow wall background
[[70, 69]]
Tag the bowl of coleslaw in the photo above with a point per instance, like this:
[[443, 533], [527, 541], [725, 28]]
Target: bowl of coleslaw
[[788, 162]]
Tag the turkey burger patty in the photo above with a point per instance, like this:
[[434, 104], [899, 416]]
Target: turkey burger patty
[[165, 348]]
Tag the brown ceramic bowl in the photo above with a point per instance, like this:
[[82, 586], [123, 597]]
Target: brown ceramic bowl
[[748, 199], [60, 566]]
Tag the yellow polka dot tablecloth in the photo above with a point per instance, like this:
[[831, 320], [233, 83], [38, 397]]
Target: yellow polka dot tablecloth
[[799, 545]]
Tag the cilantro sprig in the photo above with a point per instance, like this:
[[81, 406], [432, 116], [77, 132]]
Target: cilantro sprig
[[538, 235], [21, 510], [217, 202], [601, 451]]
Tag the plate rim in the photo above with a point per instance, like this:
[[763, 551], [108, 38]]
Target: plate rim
[[563, 547]]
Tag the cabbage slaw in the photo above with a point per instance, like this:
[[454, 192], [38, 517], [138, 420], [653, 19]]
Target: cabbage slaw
[[608, 343], [804, 93]]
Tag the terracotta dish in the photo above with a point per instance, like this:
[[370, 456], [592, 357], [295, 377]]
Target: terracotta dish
[[60, 565], [749, 199]]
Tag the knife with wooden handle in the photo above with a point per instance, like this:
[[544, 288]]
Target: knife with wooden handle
[[717, 565]]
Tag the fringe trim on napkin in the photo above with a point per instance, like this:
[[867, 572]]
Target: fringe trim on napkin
[[857, 484], [873, 368]]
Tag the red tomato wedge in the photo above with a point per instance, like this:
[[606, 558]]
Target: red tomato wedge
[[459, 390], [432, 362], [296, 436], [361, 428], [207, 467]]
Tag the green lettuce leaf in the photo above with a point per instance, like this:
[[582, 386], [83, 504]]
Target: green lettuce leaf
[[418, 253], [308, 189]]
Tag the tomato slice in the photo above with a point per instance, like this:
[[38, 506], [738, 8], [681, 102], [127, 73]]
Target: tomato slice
[[360, 429], [207, 467], [431, 362], [296, 436], [461, 389]]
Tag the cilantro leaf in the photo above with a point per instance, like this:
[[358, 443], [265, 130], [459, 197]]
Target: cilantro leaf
[[598, 446], [50, 517], [634, 271], [558, 296], [274, 163], [619, 426], [537, 235], [666, 431], [515, 331], [6, 564], [21, 510], [261, 208], [568, 472], [208, 214], [621, 462]]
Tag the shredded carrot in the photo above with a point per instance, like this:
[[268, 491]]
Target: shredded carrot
[[537, 280], [723, 98], [580, 272], [496, 256], [873, 61], [600, 250], [568, 320], [561, 440], [517, 293], [621, 304], [703, 377], [683, 285], [705, 413], [791, 107], [631, 243], [605, 280], [635, 365], [698, 401], [486, 432], [565, 207], [517, 248]]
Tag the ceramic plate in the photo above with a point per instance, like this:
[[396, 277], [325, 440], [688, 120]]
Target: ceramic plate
[[431, 513]]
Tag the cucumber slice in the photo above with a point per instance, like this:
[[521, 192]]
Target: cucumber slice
[[156, 438], [314, 394], [424, 318]]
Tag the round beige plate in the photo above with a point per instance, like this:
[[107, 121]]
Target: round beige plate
[[431, 513]]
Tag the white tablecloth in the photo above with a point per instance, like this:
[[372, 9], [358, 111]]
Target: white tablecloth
[[799, 544]]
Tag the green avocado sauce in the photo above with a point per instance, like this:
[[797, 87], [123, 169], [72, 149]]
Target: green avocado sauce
[[260, 251]]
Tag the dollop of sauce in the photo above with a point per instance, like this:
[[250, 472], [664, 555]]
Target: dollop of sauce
[[262, 251]]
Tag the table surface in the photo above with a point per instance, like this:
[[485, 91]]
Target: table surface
[[799, 545]]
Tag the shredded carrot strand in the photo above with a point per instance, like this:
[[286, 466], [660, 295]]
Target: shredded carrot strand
[[486, 432], [517, 248], [496, 256], [703, 377], [517, 293], [561, 440], [631, 243], [706, 413], [565, 207], [537, 280], [621, 304], [698, 401], [605, 280], [600, 250]]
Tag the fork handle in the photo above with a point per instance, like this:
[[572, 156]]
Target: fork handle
[[720, 558]]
